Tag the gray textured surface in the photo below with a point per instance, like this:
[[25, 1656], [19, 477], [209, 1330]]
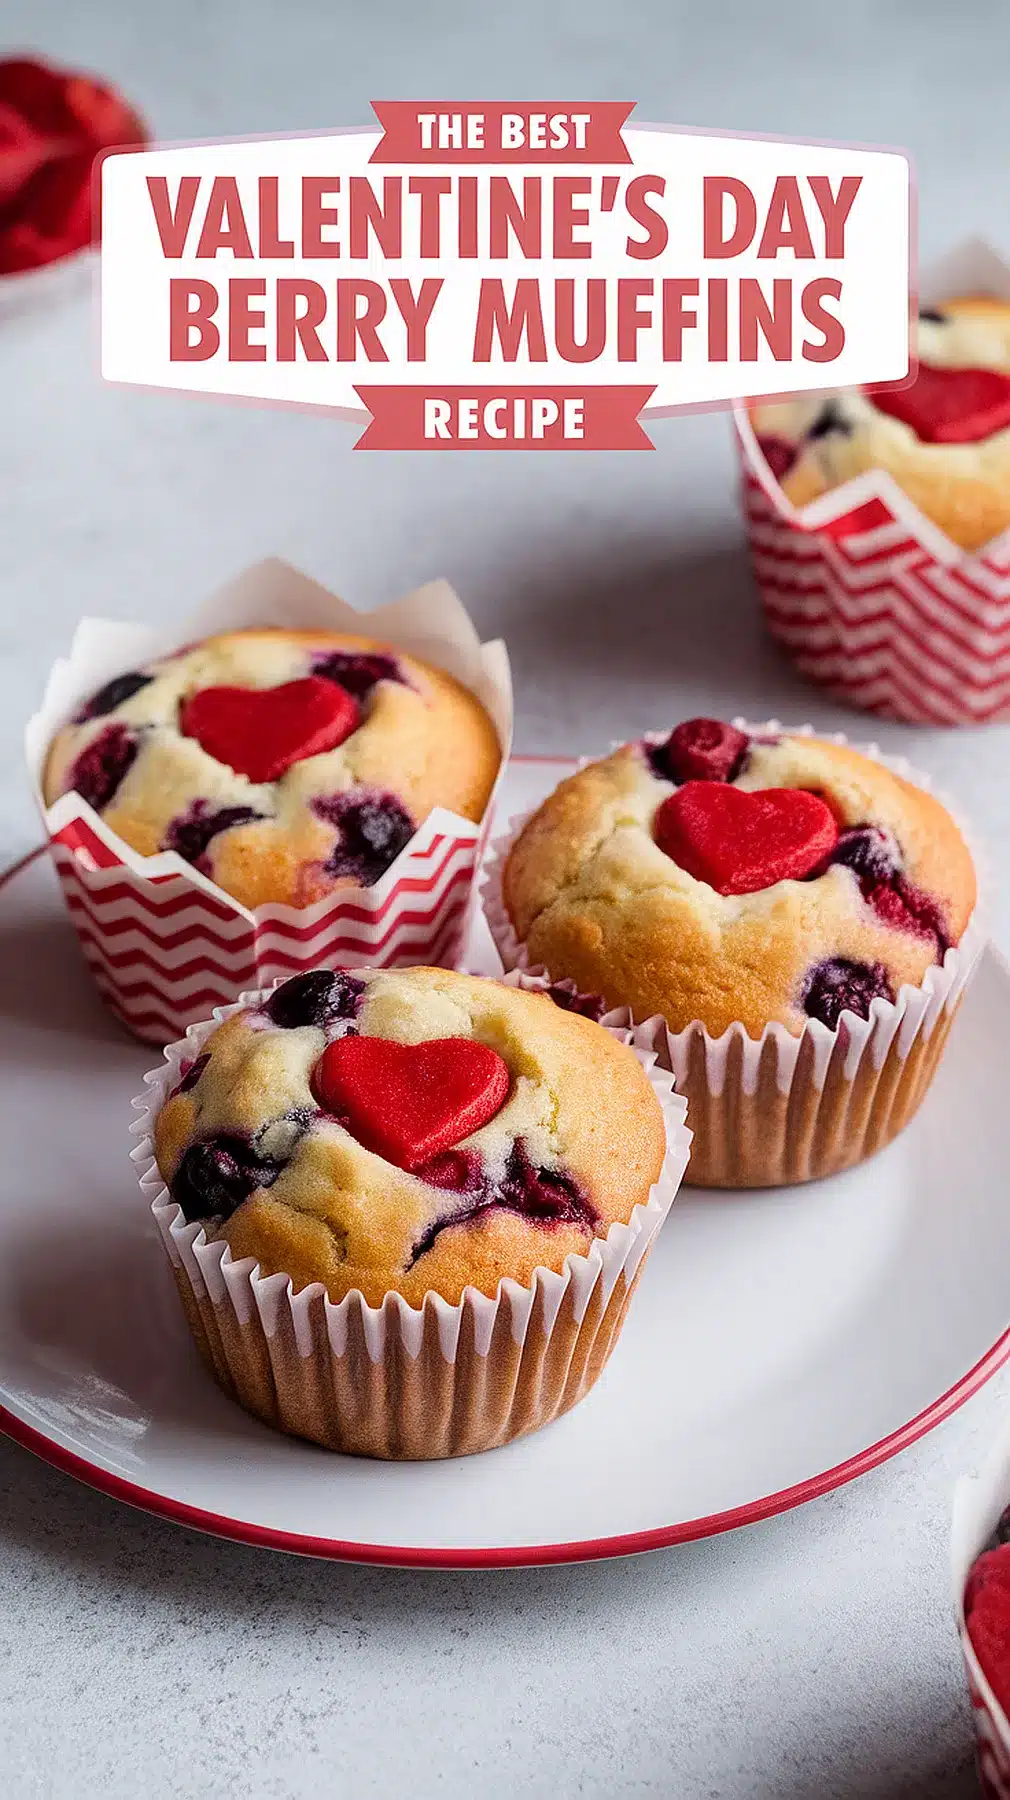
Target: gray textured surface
[[813, 1655]]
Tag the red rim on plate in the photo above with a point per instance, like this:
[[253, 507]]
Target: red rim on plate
[[511, 1556], [508, 1556]]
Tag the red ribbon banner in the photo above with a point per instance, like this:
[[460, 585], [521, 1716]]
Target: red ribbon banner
[[513, 418], [501, 131]]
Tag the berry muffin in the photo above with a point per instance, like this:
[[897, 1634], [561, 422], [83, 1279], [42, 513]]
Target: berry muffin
[[283, 764], [945, 439], [397, 1138], [766, 885]]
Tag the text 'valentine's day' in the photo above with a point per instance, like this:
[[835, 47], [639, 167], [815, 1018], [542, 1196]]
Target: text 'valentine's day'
[[500, 275]]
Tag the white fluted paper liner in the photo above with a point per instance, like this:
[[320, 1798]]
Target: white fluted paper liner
[[164, 942], [979, 1503], [909, 1020], [866, 594], [239, 1287]]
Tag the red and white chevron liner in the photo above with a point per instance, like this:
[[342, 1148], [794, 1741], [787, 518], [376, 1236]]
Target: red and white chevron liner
[[164, 944], [867, 611], [166, 949], [866, 595]]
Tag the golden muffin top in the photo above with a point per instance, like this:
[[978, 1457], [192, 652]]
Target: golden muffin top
[[719, 875], [945, 438], [283, 764], [411, 1131]]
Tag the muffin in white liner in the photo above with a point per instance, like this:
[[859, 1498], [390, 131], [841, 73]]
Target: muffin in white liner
[[164, 942], [397, 1381], [781, 1107]]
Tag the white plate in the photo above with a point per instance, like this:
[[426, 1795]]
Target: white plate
[[780, 1343]]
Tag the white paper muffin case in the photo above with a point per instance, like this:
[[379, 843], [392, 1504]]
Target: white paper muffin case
[[780, 1109], [979, 1503], [164, 943], [397, 1381], [866, 595]]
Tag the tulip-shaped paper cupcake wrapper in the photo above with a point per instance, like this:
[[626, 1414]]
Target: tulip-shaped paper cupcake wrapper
[[781, 1108], [398, 1381], [867, 596], [979, 1503], [164, 943]]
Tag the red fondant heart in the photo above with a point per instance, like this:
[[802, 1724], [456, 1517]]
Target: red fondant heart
[[950, 406], [260, 732], [739, 842], [409, 1102]]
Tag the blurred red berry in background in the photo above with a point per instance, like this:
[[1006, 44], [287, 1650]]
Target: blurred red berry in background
[[53, 123]]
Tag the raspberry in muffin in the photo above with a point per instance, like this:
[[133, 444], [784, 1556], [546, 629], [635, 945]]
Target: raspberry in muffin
[[717, 876], [409, 1133], [282, 764], [945, 438]]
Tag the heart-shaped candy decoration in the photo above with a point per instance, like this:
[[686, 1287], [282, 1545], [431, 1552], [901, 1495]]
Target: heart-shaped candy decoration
[[410, 1102], [949, 406], [260, 732], [739, 842]]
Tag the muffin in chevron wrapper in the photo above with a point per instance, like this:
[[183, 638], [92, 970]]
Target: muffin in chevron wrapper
[[275, 785], [980, 1571], [879, 521]]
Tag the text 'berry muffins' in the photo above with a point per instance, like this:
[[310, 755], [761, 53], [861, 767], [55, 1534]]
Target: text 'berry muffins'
[[784, 890], [416, 1145], [945, 438], [285, 765]]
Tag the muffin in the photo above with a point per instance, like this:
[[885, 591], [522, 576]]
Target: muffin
[[945, 439], [285, 765], [453, 1181], [777, 899]]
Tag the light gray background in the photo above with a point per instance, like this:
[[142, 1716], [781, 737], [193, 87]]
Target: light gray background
[[810, 1656]]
